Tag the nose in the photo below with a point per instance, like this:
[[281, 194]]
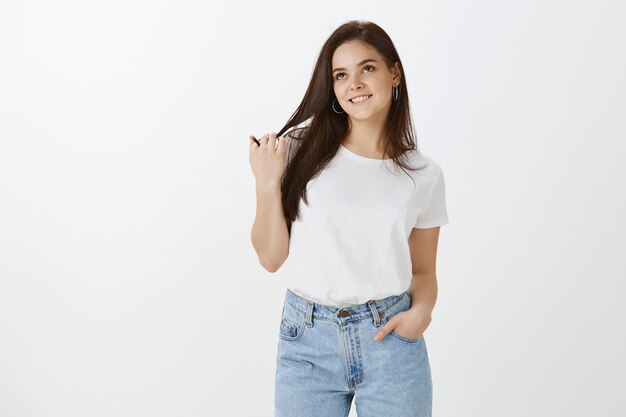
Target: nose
[[357, 85]]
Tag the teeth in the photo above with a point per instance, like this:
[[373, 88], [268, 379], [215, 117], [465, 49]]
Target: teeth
[[360, 99]]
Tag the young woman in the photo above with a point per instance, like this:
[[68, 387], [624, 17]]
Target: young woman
[[359, 255]]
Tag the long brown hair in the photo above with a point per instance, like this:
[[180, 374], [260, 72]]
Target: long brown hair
[[313, 146]]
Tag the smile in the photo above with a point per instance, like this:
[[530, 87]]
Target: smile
[[360, 100]]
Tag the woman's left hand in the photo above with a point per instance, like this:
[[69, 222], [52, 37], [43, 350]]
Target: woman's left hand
[[410, 324]]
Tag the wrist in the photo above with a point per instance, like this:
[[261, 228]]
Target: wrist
[[422, 308], [268, 188]]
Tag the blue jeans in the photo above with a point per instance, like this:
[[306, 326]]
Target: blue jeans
[[327, 356]]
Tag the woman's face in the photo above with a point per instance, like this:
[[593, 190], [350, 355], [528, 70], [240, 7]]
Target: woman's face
[[358, 69]]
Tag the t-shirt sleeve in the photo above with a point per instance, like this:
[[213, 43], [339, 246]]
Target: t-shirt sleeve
[[436, 213]]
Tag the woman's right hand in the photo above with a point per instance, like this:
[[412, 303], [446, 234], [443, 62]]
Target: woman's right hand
[[267, 160]]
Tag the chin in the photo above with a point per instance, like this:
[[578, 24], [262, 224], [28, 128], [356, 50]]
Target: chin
[[364, 115]]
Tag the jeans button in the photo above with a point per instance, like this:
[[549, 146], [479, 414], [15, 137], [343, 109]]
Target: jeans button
[[345, 313]]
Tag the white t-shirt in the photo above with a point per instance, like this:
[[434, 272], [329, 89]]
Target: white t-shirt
[[350, 244]]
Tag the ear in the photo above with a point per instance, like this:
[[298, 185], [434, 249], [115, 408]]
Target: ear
[[396, 74]]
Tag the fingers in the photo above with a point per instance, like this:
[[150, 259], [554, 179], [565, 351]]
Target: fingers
[[263, 141], [253, 141], [272, 141], [384, 331], [268, 141], [280, 148]]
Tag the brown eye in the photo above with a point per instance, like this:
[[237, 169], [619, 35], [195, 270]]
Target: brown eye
[[341, 73]]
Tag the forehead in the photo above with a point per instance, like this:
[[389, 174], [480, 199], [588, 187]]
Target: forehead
[[351, 53]]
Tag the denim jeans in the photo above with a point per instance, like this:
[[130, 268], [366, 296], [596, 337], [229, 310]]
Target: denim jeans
[[327, 356]]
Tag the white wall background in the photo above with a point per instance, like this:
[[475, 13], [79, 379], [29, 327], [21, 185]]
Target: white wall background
[[128, 283]]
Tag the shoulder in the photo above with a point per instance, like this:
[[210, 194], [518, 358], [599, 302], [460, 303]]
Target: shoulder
[[431, 168]]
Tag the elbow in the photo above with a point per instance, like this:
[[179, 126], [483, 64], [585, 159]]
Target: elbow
[[271, 261], [273, 265], [270, 266]]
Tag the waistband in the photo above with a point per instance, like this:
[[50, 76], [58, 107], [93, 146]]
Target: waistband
[[372, 308]]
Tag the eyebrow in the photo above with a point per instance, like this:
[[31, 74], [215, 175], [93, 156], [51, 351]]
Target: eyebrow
[[358, 65]]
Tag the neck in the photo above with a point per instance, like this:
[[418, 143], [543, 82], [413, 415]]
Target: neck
[[366, 135]]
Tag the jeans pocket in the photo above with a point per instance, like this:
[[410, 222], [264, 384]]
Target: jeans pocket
[[402, 305], [292, 324]]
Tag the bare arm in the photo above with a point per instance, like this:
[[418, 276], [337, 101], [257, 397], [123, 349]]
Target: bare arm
[[423, 289], [270, 236]]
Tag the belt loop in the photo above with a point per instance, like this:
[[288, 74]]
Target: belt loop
[[308, 316], [372, 306]]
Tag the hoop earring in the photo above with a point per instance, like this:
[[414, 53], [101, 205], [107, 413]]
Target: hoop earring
[[395, 92], [333, 105]]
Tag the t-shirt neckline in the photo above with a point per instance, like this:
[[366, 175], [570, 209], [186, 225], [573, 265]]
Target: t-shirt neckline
[[360, 158]]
